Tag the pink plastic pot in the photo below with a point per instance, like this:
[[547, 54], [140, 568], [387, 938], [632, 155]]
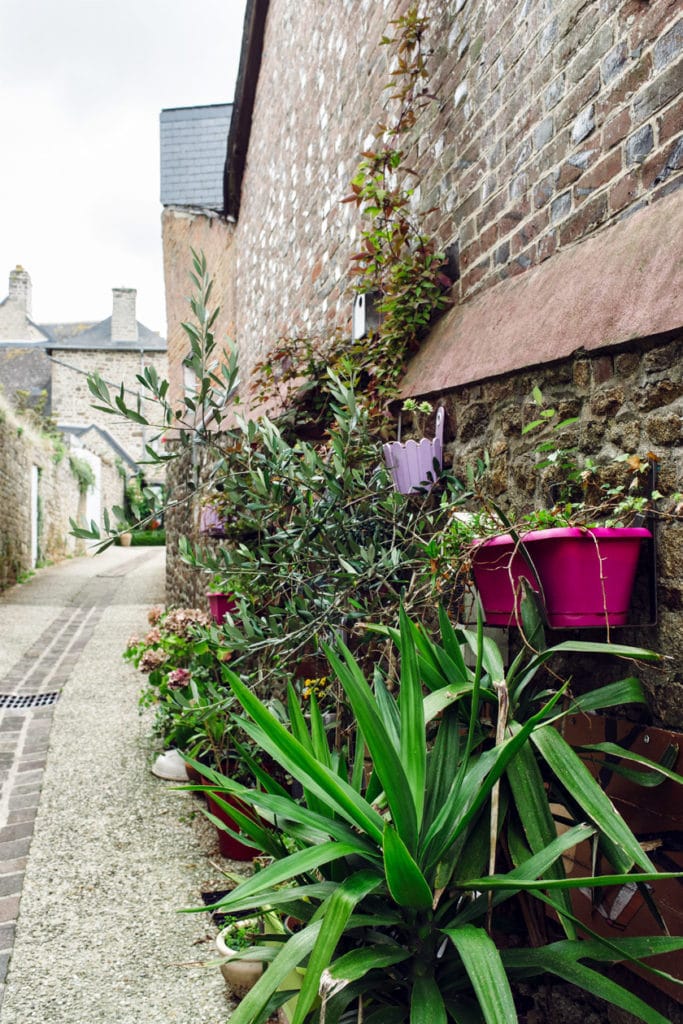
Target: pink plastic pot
[[586, 575], [221, 605]]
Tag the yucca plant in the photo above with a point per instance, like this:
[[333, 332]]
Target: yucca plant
[[403, 861]]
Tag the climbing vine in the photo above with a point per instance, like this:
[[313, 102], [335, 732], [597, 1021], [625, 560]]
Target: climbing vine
[[398, 265]]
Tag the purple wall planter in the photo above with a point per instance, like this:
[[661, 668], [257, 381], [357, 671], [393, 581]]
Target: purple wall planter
[[221, 605], [412, 464], [210, 522], [586, 575]]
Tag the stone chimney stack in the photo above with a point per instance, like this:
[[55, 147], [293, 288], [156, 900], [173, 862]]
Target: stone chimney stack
[[124, 325], [20, 289]]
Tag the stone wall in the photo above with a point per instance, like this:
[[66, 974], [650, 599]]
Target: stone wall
[[185, 586], [628, 401], [59, 498], [71, 396]]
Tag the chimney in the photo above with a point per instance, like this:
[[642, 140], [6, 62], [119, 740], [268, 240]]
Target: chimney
[[124, 326], [20, 289]]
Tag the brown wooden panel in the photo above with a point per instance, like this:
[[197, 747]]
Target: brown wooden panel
[[655, 815]]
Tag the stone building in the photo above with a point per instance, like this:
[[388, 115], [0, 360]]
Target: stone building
[[45, 366], [193, 142], [551, 164]]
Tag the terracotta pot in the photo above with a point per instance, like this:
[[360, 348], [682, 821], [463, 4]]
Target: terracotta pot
[[586, 575], [227, 844]]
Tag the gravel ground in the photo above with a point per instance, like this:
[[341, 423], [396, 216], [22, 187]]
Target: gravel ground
[[116, 852]]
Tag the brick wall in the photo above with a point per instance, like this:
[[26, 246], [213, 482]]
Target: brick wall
[[553, 121], [182, 231]]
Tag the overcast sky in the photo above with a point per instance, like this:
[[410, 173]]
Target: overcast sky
[[82, 83]]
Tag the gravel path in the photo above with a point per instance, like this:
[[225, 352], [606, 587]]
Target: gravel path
[[115, 852]]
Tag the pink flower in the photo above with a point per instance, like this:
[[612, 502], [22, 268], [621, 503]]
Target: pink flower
[[151, 660], [179, 678]]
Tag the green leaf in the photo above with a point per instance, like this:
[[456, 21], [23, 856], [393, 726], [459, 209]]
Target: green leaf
[[442, 764], [283, 870], [561, 960], [355, 965], [531, 800], [335, 913], [572, 773], [413, 737], [661, 769], [407, 884], [485, 969], [625, 691], [513, 881], [385, 758], [426, 1003]]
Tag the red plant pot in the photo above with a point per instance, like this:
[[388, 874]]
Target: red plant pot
[[227, 844], [587, 575], [221, 605]]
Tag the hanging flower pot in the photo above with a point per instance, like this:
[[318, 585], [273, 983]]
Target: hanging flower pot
[[211, 522], [414, 465], [586, 575], [221, 605]]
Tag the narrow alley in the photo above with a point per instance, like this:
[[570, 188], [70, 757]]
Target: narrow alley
[[97, 856]]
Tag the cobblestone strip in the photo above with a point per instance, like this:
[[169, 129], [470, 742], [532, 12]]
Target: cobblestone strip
[[24, 737]]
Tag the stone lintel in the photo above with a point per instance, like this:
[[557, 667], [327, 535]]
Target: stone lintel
[[625, 282]]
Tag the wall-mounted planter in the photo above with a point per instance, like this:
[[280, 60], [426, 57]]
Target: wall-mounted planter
[[211, 523], [586, 575], [221, 605], [414, 465]]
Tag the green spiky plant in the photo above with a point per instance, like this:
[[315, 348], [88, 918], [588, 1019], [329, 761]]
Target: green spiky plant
[[403, 862]]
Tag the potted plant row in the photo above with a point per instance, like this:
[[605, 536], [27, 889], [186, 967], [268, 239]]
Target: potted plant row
[[422, 843], [184, 659]]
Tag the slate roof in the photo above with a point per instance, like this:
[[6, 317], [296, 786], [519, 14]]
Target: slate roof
[[25, 366], [193, 143], [98, 336], [108, 438]]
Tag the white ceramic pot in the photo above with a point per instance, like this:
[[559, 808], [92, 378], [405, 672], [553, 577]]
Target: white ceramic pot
[[242, 974]]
